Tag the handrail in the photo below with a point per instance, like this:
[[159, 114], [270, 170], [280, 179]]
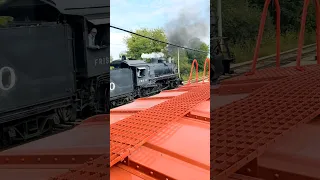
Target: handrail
[[260, 34], [190, 76], [302, 31], [204, 70]]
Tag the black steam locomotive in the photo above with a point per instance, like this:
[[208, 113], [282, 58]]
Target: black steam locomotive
[[48, 75], [131, 79]]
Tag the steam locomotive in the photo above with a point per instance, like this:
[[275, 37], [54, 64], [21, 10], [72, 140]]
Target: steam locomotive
[[131, 79], [48, 75]]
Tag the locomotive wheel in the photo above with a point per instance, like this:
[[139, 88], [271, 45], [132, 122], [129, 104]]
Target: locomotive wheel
[[66, 114], [5, 140]]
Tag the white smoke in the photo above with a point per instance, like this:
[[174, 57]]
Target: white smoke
[[152, 55]]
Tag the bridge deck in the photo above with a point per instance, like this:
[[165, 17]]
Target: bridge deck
[[243, 130]]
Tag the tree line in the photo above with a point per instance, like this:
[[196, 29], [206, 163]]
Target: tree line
[[241, 20]]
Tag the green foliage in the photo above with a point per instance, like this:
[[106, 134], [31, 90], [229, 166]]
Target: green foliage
[[290, 14], [4, 20], [138, 45], [122, 54], [199, 56], [241, 20]]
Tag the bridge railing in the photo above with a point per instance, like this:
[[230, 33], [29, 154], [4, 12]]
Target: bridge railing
[[195, 62], [260, 34]]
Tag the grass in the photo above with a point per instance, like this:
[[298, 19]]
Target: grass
[[185, 77], [268, 46]]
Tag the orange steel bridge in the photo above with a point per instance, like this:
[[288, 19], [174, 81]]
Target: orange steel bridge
[[166, 136]]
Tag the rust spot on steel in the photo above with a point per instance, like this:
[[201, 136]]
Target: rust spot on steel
[[242, 130]]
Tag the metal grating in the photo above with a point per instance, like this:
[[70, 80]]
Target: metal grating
[[267, 74], [130, 133], [242, 130]]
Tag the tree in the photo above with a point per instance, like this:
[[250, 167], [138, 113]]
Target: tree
[[138, 45], [122, 54], [195, 43], [290, 14], [111, 58], [4, 20]]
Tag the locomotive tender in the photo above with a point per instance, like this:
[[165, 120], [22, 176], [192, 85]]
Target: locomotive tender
[[48, 75], [135, 78]]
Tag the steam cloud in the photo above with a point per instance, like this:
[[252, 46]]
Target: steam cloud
[[186, 30], [152, 55]]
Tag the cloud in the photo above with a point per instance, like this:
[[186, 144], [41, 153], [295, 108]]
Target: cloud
[[117, 44]]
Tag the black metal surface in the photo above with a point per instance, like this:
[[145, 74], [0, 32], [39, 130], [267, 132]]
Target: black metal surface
[[121, 82], [93, 9], [39, 57], [80, 7], [161, 69], [97, 61]]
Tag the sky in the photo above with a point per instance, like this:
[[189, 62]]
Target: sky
[[136, 14]]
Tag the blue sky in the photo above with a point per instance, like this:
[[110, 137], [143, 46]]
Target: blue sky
[[136, 14]]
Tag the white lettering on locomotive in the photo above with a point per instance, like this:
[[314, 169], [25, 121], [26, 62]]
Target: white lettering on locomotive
[[11, 82], [143, 80], [101, 61], [112, 86]]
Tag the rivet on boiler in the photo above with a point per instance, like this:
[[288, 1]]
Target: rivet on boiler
[[137, 167], [151, 173]]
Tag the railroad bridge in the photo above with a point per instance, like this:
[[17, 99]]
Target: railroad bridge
[[262, 125]]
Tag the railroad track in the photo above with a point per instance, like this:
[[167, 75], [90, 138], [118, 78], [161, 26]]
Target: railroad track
[[270, 61]]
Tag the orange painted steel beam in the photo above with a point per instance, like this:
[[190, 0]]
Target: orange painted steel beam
[[204, 70], [302, 32], [129, 134], [260, 34], [267, 74], [191, 70]]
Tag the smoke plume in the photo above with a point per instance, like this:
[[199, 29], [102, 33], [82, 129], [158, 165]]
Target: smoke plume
[[187, 30]]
